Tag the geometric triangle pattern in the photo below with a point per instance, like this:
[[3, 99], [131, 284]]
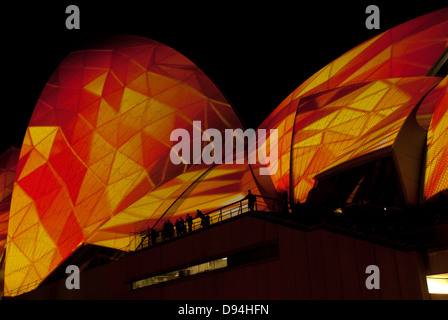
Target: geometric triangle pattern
[[339, 125], [364, 94], [436, 175], [98, 146], [8, 166], [95, 163], [202, 188]]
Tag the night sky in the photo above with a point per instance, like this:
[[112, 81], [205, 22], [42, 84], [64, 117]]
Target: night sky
[[256, 52]]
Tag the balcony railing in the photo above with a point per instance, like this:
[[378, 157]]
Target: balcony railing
[[145, 239]]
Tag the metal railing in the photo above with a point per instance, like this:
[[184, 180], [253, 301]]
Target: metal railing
[[22, 289], [145, 239]]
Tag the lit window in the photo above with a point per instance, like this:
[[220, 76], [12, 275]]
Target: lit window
[[182, 273], [438, 283]]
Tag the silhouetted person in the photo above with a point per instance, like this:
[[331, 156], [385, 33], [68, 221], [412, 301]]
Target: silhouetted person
[[171, 228], [206, 220], [189, 221], [154, 235], [183, 228], [178, 227], [165, 231], [203, 221], [250, 200], [168, 229], [199, 214]]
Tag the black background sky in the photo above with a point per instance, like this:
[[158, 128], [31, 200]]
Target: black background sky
[[256, 52]]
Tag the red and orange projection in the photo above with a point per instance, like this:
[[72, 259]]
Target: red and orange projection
[[95, 162], [8, 166], [436, 175], [95, 159], [357, 103]]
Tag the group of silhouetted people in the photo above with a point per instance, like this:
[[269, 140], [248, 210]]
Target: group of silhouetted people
[[181, 226], [205, 218]]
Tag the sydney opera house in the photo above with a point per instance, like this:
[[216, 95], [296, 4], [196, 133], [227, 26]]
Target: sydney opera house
[[361, 179]]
